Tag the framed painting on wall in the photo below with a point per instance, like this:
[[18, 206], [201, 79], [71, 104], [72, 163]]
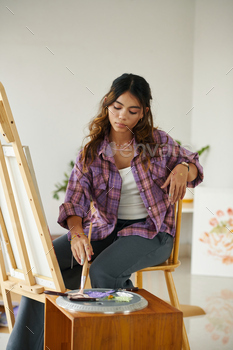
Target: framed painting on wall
[[212, 240]]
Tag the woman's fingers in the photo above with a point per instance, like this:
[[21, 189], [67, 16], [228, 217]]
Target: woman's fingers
[[183, 192], [172, 190], [166, 183], [174, 195], [75, 253], [82, 254], [177, 186], [81, 248], [89, 250], [176, 192]]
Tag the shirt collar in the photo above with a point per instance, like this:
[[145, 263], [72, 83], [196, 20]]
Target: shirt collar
[[104, 147], [106, 150]]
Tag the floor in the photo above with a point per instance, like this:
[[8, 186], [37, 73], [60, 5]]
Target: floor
[[214, 331]]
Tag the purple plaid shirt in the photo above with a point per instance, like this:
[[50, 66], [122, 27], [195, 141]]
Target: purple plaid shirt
[[103, 183]]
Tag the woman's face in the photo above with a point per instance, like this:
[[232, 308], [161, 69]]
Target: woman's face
[[125, 113]]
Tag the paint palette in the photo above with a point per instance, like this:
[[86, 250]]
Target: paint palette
[[118, 302]]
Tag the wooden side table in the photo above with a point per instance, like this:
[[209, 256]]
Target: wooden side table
[[158, 326]]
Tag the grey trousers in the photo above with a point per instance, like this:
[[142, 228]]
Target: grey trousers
[[114, 260]]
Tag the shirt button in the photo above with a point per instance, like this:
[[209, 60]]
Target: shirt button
[[149, 208], [142, 190], [136, 171]]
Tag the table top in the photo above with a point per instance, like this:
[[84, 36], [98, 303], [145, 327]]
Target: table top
[[187, 207]]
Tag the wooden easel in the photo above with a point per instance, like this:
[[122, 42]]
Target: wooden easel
[[26, 286]]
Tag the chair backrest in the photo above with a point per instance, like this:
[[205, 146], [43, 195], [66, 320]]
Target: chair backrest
[[173, 259]]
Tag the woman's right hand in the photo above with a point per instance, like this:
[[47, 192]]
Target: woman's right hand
[[81, 247]]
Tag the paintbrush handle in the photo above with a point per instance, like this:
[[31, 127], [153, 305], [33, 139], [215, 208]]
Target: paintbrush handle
[[89, 233], [83, 299], [85, 266], [51, 292], [84, 274]]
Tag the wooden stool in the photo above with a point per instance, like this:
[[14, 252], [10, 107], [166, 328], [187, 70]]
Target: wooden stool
[[158, 326]]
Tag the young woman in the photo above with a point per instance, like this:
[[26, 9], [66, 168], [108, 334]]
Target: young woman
[[133, 173]]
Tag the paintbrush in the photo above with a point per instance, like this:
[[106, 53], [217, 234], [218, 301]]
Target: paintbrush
[[80, 296], [85, 266], [71, 296]]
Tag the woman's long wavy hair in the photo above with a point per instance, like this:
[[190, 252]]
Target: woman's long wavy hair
[[143, 130]]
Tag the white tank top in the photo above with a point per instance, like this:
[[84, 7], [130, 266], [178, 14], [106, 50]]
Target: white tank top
[[131, 206]]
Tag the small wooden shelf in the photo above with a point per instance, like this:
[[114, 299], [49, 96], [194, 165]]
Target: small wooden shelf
[[187, 207], [158, 326]]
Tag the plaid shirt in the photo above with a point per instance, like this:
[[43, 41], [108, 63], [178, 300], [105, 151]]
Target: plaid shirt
[[103, 183]]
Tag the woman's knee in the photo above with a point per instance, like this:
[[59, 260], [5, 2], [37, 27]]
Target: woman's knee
[[100, 277], [94, 273]]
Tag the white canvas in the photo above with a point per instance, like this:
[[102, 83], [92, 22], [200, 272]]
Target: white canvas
[[36, 253], [212, 241]]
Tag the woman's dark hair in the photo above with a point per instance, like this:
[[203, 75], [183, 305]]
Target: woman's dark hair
[[143, 130]]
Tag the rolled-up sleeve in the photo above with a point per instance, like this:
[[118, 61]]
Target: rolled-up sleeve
[[178, 154], [77, 198]]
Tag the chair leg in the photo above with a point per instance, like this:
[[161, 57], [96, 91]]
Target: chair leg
[[138, 279], [175, 302], [88, 283]]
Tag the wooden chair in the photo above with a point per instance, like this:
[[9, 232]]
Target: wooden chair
[[168, 267]]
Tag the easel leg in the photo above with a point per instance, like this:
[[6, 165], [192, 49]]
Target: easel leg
[[6, 295]]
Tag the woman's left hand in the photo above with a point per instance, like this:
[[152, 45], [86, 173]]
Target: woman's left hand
[[177, 180]]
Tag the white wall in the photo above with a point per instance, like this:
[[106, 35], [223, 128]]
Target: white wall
[[212, 116], [97, 41]]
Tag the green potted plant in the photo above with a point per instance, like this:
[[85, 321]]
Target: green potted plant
[[61, 186]]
